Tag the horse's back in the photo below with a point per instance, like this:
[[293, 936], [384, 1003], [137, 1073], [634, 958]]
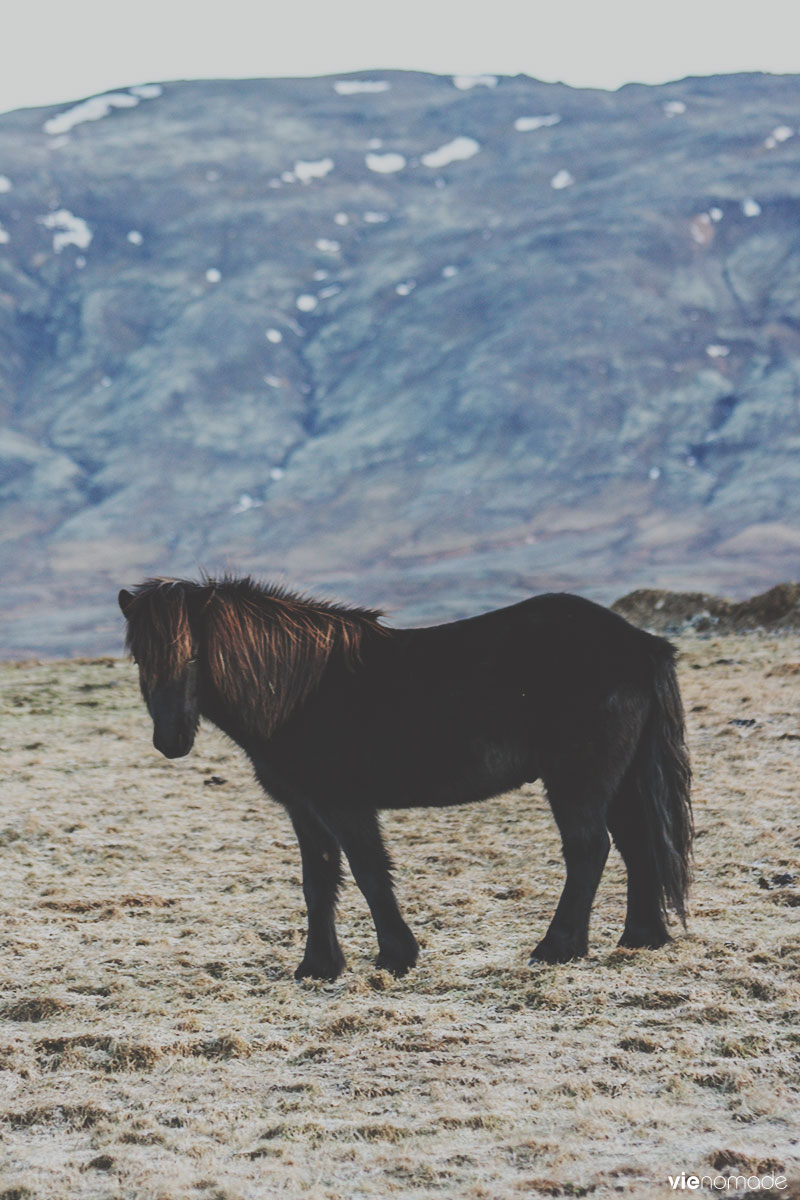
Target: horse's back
[[588, 622], [550, 638]]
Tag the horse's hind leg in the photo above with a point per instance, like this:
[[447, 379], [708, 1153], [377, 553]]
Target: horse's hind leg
[[582, 779], [644, 921], [360, 837], [585, 845], [322, 876]]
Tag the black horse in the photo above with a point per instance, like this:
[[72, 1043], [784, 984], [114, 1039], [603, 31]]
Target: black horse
[[342, 716]]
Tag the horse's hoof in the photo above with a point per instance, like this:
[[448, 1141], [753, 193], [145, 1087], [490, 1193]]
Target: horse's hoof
[[395, 966], [399, 960], [553, 950], [315, 968], [643, 939]]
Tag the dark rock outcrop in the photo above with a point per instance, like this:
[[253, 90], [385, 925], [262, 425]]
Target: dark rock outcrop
[[776, 610]]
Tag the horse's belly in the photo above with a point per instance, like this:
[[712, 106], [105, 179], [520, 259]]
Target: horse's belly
[[475, 772]]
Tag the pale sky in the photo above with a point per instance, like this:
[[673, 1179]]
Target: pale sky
[[54, 51]]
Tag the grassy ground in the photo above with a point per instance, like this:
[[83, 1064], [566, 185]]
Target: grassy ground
[[153, 1043]]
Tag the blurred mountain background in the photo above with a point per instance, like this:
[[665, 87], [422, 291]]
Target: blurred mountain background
[[420, 342]]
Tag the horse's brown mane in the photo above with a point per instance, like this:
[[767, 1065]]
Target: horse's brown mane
[[265, 647], [268, 647]]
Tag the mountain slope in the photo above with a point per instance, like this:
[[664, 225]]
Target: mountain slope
[[420, 345]]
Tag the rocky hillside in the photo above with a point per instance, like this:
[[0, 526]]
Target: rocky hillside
[[411, 341]]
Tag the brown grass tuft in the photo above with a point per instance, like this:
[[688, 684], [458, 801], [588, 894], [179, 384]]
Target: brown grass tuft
[[550, 1187], [476, 1121], [722, 1159], [73, 1116], [132, 1056], [226, 1046], [655, 999], [103, 1162], [148, 1137], [748, 1046], [349, 1023], [380, 981], [381, 1132], [74, 906], [109, 1054], [33, 1008], [643, 1045]]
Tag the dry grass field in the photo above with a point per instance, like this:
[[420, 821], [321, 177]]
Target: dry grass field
[[153, 1043]]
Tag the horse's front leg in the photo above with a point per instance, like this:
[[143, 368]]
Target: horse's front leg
[[360, 837], [322, 876]]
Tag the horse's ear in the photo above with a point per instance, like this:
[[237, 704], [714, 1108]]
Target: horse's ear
[[125, 600]]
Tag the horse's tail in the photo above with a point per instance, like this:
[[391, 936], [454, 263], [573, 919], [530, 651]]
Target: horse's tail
[[659, 783]]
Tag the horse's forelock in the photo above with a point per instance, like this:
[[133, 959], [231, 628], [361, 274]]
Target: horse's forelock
[[159, 634]]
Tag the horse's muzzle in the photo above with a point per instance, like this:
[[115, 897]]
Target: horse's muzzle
[[173, 748]]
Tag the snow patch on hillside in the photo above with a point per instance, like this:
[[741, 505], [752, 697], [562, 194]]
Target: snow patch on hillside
[[246, 502], [701, 229], [781, 133], [528, 124], [460, 149], [385, 164], [355, 87], [562, 179], [69, 230], [306, 171], [97, 107], [147, 91], [465, 82]]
